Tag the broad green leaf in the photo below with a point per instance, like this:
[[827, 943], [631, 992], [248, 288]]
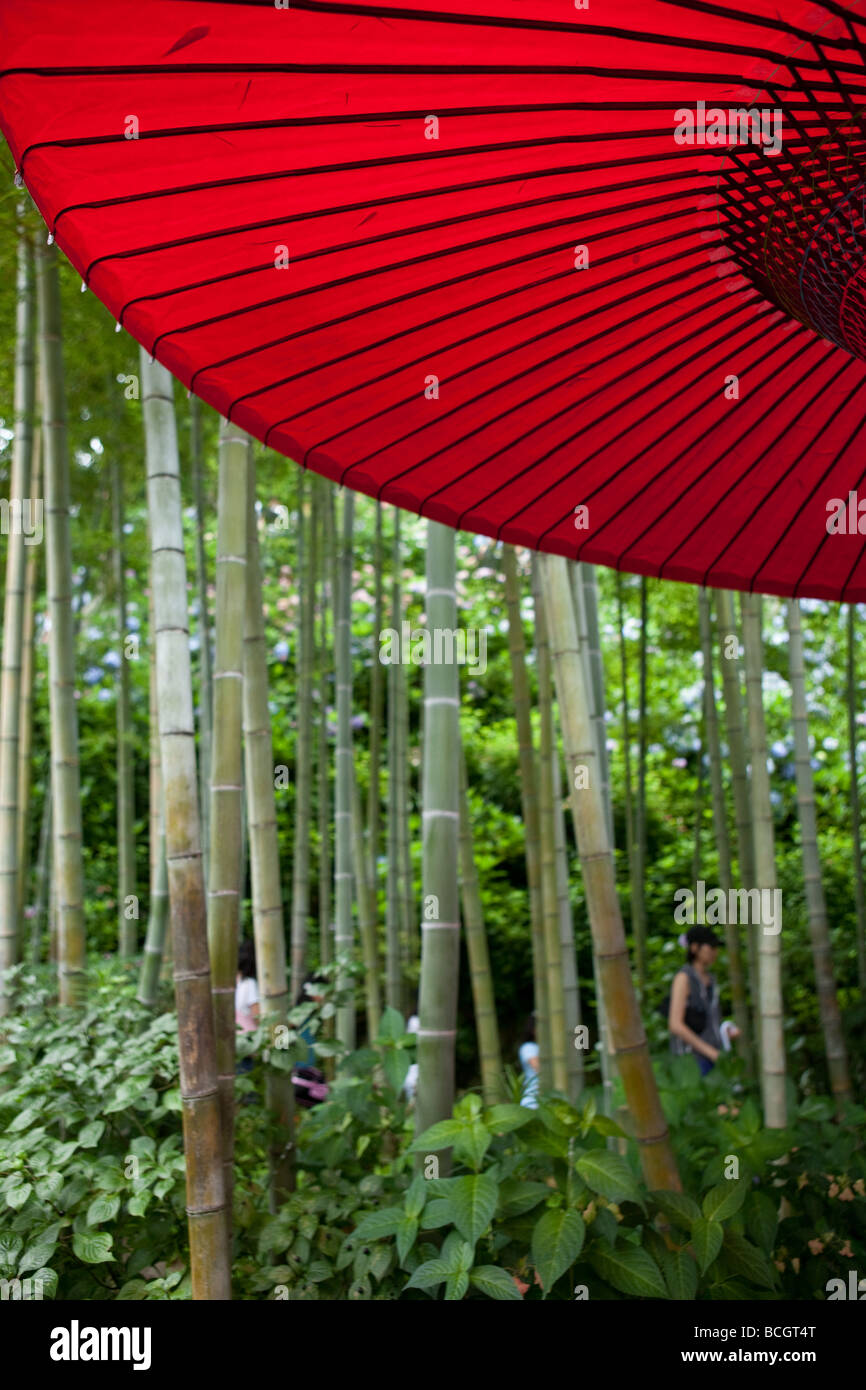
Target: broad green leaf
[[456, 1286], [629, 1269], [725, 1200], [517, 1196], [429, 1274], [609, 1174], [681, 1274], [438, 1212], [473, 1201], [603, 1124], [816, 1108], [604, 1224], [137, 1205], [132, 1290], [89, 1135], [47, 1278], [707, 1240], [406, 1234], [17, 1196], [93, 1249], [557, 1240], [761, 1220], [468, 1108], [25, 1118], [438, 1136], [495, 1283], [472, 1144], [416, 1196], [746, 1259], [391, 1026], [677, 1207], [380, 1261], [102, 1209], [318, 1270], [396, 1063], [504, 1118], [10, 1249], [385, 1222], [36, 1256]]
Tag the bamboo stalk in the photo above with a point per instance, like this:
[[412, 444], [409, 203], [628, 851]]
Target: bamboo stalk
[[13, 614], [25, 699], [720, 827], [377, 704], [157, 917], [626, 751], [819, 926], [570, 982], [266, 889], [226, 774], [205, 681], [589, 584], [303, 747], [854, 800], [617, 989], [393, 944], [529, 802], [325, 922], [483, 995], [410, 946], [367, 924], [65, 777], [42, 871], [126, 879], [344, 937], [440, 921], [772, 1041], [205, 1190]]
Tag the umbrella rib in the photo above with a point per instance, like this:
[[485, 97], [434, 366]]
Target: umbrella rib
[[487, 331]]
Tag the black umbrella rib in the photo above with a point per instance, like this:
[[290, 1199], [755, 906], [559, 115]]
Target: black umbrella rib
[[487, 331]]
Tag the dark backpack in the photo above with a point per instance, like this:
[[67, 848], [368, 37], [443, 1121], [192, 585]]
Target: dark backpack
[[696, 1009]]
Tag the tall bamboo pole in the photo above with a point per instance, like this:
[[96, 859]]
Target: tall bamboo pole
[[126, 878], [720, 826], [65, 778], [559, 1043], [410, 945], [589, 583], [772, 1041], [205, 1190], [303, 745], [483, 995], [42, 870], [324, 757], [267, 900], [13, 614], [626, 753], [205, 682], [854, 800], [226, 772], [440, 918], [528, 799], [570, 982], [367, 920], [377, 705], [623, 1015], [819, 927], [25, 732], [157, 917], [344, 940], [639, 844], [393, 955]]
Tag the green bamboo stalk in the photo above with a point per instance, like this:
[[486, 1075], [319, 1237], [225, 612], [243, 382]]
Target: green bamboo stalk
[[854, 799], [720, 826], [627, 1032], [205, 679], [377, 705], [772, 1042], [325, 921], [699, 803], [410, 945], [529, 802], [303, 745], [226, 772], [65, 778], [626, 752], [639, 902], [570, 982], [483, 996], [205, 1190], [440, 921], [267, 900], [559, 1042], [589, 584], [344, 941], [157, 917], [25, 698], [819, 927], [42, 870], [126, 879], [367, 923], [393, 954], [13, 615]]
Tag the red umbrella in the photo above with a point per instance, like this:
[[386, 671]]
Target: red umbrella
[[588, 277]]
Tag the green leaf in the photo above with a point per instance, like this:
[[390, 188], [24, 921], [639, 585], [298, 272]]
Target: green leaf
[[677, 1207], [406, 1234], [707, 1240], [629, 1269], [438, 1212], [681, 1274], [137, 1205], [746, 1259], [725, 1200], [17, 1196], [416, 1196], [603, 1124], [102, 1209], [396, 1063], [24, 1118], [36, 1256], [456, 1286], [495, 1283], [604, 1224], [516, 1196], [385, 1222], [317, 1271], [473, 1201], [133, 1289], [10, 1249], [761, 1220], [557, 1240], [90, 1135], [472, 1144], [429, 1274], [391, 1026], [93, 1249], [48, 1280], [504, 1118], [438, 1136], [609, 1174]]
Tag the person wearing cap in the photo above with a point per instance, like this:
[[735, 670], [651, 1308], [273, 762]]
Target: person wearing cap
[[694, 1013]]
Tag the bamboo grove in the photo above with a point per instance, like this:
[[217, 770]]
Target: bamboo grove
[[341, 823]]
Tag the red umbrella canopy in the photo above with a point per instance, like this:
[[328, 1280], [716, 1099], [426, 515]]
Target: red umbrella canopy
[[587, 274]]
